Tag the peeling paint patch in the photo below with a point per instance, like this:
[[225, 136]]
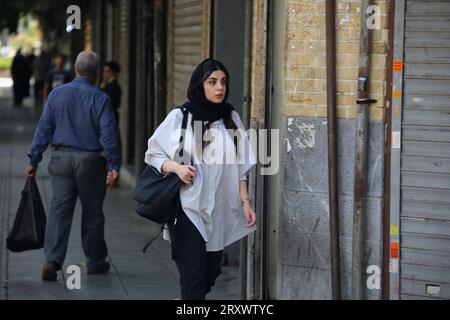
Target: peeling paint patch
[[290, 121], [306, 137], [417, 100], [344, 20]]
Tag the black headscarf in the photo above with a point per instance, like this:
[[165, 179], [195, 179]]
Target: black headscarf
[[200, 107]]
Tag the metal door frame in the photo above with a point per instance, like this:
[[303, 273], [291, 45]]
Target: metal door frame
[[397, 107]]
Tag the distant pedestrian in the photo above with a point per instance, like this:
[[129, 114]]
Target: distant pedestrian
[[214, 209], [111, 86], [30, 58], [41, 66], [20, 72], [78, 121], [56, 76]]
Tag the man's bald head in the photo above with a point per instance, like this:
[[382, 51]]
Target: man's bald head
[[87, 64]]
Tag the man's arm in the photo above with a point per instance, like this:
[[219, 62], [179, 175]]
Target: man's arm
[[42, 136], [109, 137]]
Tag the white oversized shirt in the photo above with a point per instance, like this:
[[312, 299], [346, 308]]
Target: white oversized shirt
[[212, 200]]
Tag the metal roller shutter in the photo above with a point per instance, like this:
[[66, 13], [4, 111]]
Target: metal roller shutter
[[187, 44], [123, 55], [425, 154]]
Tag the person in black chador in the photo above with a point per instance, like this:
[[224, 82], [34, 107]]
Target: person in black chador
[[20, 73]]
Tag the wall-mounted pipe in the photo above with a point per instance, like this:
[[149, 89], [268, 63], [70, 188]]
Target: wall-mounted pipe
[[330, 8]]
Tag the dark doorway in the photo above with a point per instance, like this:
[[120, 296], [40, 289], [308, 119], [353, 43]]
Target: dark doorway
[[228, 44]]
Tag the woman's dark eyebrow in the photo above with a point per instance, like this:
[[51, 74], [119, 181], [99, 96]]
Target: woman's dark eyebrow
[[212, 78]]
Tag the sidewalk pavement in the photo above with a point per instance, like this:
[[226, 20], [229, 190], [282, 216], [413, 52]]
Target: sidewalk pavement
[[133, 275]]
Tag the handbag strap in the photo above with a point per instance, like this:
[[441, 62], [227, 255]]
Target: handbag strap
[[184, 122], [183, 131], [153, 239]]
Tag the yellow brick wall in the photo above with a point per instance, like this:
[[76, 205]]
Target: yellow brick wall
[[258, 64], [305, 78], [206, 26]]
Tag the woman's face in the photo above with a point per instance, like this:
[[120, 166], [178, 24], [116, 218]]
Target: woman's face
[[215, 86], [107, 73]]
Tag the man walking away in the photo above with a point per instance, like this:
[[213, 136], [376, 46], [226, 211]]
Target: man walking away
[[78, 121]]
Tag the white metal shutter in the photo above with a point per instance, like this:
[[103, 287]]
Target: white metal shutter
[[425, 155]]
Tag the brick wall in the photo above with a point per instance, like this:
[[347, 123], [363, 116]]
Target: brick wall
[[306, 62], [304, 220], [258, 64]]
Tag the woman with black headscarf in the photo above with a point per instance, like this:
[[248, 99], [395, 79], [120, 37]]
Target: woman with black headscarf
[[214, 209]]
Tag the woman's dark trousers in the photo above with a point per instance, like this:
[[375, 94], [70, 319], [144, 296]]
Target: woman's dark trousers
[[198, 268]]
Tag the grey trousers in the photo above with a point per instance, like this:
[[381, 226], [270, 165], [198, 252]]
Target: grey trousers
[[76, 174]]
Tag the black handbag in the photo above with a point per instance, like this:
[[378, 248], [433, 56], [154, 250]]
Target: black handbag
[[29, 225], [157, 194]]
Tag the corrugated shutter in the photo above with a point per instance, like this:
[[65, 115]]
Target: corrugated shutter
[[425, 155], [123, 43], [110, 31], [123, 35], [187, 44], [124, 79]]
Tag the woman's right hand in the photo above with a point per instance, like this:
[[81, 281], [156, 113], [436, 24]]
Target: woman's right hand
[[185, 172]]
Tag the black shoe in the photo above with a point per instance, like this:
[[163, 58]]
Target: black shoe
[[49, 271], [99, 269]]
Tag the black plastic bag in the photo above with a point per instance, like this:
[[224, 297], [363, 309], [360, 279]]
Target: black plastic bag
[[29, 226]]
